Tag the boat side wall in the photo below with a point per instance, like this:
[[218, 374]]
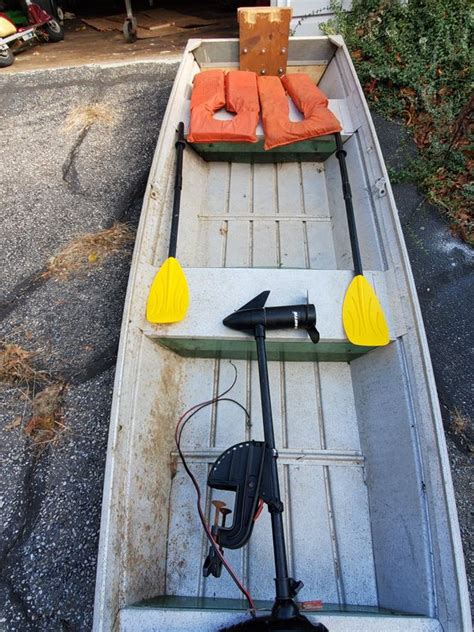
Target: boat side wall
[[112, 588], [432, 529], [398, 516]]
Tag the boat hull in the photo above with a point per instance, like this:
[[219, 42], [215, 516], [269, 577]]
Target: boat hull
[[370, 514]]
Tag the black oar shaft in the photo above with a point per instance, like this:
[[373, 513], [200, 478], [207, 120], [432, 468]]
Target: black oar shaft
[[346, 189], [283, 583], [178, 183]]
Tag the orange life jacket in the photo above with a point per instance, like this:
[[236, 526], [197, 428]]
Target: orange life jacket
[[308, 98], [214, 89]]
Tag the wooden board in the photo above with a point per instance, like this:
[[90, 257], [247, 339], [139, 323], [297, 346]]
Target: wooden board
[[153, 18], [264, 33], [152, 23], [314, 72]]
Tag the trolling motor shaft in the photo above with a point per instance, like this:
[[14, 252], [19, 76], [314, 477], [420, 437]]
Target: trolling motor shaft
[[250, 470], [286, 587]]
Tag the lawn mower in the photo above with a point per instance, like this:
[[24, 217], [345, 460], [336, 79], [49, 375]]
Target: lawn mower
[[18, 30]]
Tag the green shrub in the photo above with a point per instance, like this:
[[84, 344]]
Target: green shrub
[[414, 62]]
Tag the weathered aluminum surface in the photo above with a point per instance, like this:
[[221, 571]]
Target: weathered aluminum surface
[[324, 288], [370, 517]]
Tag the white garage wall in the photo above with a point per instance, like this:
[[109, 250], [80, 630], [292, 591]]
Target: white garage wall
[[317, 11]]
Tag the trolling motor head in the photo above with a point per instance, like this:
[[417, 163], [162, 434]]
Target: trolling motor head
[[254, 314]]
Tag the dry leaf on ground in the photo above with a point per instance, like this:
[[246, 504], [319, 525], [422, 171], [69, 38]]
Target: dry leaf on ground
[[16, 366], [13, 424], [45, 425], [90, 248], [84, 116]]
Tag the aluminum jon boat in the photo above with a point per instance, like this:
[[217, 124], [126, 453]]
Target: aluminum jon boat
[[370, 517]]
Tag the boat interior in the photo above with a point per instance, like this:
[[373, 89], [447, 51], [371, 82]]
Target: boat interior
[[351, 424]]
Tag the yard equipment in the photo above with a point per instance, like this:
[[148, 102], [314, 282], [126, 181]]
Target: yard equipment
[[168, 299], [130, 24], [250, 470], [41, 26], [48, 26], [362, 315]]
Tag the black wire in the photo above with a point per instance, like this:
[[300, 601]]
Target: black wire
[[182, 423], [215, 401]]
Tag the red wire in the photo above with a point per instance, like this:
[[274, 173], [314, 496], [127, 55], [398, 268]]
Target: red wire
[[178, 432], [259, 510]]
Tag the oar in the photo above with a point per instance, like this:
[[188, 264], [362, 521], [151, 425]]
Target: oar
[[168, 300], [362, 315]]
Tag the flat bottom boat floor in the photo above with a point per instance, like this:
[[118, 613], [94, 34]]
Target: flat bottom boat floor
[[322, 481]]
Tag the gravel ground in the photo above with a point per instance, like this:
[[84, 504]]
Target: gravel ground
[[60, 183]]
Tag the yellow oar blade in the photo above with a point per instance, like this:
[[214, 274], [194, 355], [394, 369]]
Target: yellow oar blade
[[168, 300], [362, 315]]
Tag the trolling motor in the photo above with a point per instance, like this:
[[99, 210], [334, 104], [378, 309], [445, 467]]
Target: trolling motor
[[250, 470]]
